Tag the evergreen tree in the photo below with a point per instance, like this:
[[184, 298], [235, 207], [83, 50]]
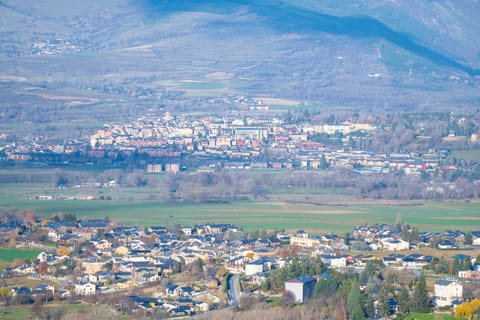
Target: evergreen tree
[[369, 307], [363, 277], [354, 309], [468, 239], [326, 288], [403, 301], [323, 162], [454, 266], [383, 307], [467, 264], [420, 301]]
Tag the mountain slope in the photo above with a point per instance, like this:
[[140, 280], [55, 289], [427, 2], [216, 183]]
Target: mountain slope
[[375, 54]]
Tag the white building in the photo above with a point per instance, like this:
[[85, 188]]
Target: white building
[[395, 244], [85, 289], [338, 262], [447, 291], [301, 287], [254, 267], [304, 242]]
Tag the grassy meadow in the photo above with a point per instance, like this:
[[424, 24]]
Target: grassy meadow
[[423, 316], [8, 254], [67, 311], [467, 155]]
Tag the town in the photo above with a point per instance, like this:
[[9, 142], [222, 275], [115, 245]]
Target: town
[[254, 137], [192, 270]]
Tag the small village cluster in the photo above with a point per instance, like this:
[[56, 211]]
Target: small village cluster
[[99, 256]]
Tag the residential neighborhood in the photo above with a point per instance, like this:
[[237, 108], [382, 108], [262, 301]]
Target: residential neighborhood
[[100, 257]]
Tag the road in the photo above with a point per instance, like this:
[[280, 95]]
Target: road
[[234, 291]]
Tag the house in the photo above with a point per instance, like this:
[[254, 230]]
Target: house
[[301, 287], [447, 291], [25, 269], [476, 238], [187, 231], [92, 265], [395, 244], [254, 267], [469, 274], [334, 261], [94, 224], [415, 261], [20, 291], [447, 244], [304, 242], [85, 289], [100, 243], [126, 283]]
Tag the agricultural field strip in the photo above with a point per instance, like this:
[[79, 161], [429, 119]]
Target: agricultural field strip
[[430, 216]]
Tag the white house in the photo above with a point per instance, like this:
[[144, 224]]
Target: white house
[[338, 262], [334, 261], [395, 244], [476, 241], [85, 289], [447, 291], [254, 267]]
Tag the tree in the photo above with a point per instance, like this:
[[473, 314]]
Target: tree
[[467, 310], [369, 306], [63, 251], [323, 162], [288, 299], [384, 307], [420, 301], [42, 268], [454, 267], [354, 309], [468, 239], [403, 301], [325, 288]]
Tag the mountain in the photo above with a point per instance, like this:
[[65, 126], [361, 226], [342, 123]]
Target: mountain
[[379, 54]]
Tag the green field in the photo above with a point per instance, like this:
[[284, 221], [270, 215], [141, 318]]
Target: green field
[[467, 155], [9, 255], [431, 216], [422, 316], [25, 312]]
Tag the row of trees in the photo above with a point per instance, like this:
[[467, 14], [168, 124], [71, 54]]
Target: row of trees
[[227, 185], [443, 266]]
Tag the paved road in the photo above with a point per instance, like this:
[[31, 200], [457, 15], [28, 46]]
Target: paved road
[[234, 292]]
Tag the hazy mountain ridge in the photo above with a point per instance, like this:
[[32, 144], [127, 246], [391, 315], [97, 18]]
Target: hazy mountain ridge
[[375, 53], [449, 26]]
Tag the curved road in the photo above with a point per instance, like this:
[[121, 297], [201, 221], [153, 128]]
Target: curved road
[[234, 291]]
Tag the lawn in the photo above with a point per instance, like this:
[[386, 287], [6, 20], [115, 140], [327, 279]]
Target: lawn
[[25, 312], [423, 316], [251, 215], [9, 255], [467, 155]]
